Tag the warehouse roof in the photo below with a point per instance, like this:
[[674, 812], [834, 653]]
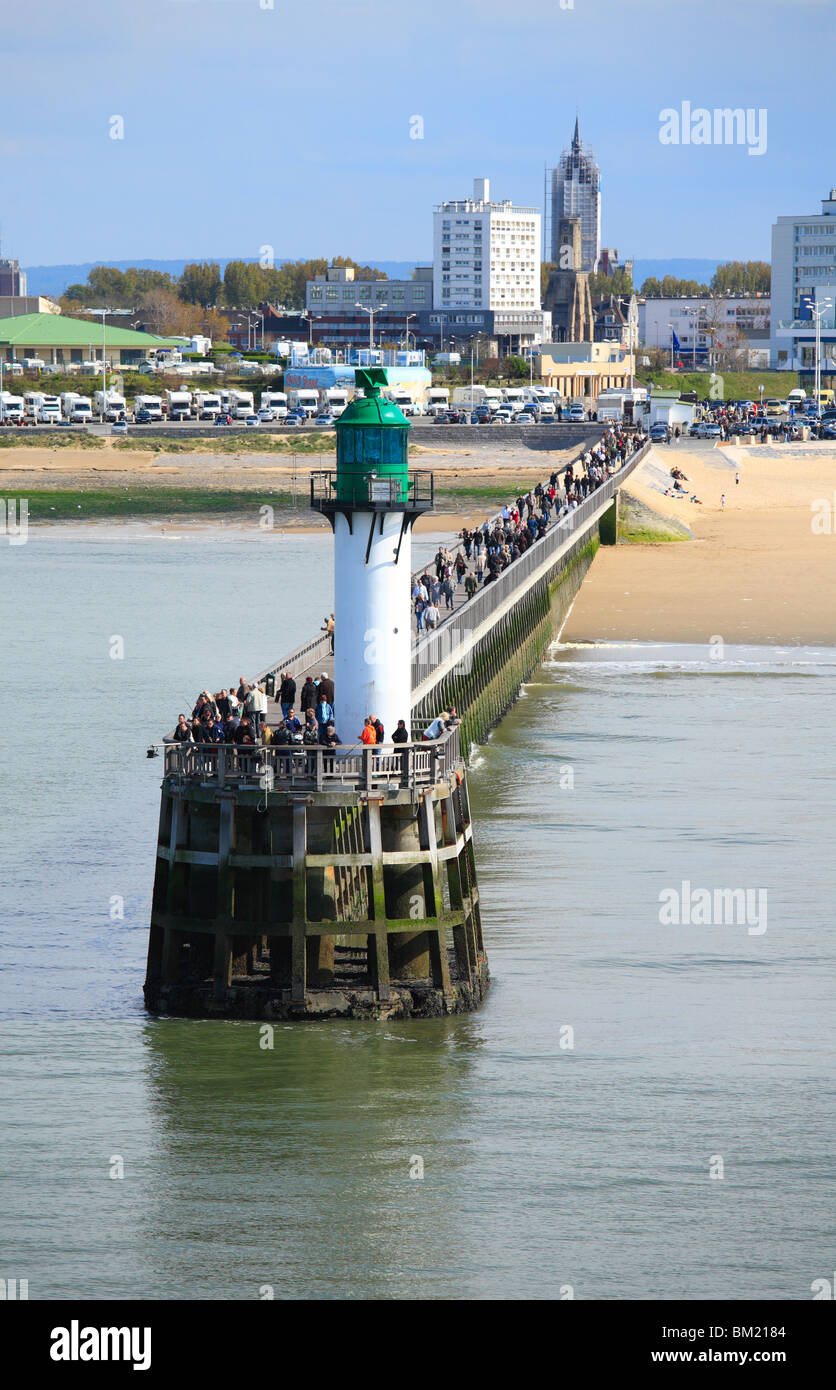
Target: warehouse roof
[[58, 330]]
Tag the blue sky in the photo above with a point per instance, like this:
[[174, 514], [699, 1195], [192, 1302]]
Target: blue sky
[[289, 126]]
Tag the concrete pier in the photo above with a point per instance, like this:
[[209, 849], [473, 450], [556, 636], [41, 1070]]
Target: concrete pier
[[305, 884]]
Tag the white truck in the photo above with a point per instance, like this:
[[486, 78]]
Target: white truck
[[275, 401], [403, 400], [306, 401], [153, 404], [469, 396], [178, 405], [11, 408], [41, 408], [109, 405], [241, 404], [336, 399], [206, 405], [76, 408]]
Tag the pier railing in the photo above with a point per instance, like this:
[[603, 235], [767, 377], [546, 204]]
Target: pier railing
[[302, 768]]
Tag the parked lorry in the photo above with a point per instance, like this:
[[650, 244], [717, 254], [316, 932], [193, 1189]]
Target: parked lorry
[[153, 404], [336, 400], [76, 408], [178, 405], [241, 404], [40, 407], [306, 401], [275, 401], [438, 400], [206, 405], [11, 408], [109, 405]]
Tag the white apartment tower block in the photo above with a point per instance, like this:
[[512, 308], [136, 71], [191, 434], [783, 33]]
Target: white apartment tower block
[[485, 255]]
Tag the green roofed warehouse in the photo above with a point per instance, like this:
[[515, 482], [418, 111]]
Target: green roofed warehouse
[[59, 340]]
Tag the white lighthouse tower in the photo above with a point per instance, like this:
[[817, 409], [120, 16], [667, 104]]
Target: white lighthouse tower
[[372, 502]]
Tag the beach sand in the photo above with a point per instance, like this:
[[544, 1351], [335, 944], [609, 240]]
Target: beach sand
[[754, 572]]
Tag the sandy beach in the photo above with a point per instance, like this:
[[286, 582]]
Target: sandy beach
[[755, 571]]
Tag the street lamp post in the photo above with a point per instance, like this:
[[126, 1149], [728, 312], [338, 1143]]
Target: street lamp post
[[818, 309], [371, 311], [408, 317], [671, 327], [104, 313]]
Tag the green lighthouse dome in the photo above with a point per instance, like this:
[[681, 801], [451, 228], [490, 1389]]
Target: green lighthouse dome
[[372, 447]]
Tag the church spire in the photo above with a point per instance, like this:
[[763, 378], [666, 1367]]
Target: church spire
[[576, 138]]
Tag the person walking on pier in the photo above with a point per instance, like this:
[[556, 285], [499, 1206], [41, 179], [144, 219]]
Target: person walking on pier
[[447, 591], [324, 713], [480, 566], [287, 693], [431, 615], [461, 567], [307, 699], [326, 687], [470, 585]]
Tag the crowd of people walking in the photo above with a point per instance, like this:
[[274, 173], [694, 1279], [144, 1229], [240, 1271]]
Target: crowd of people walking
[[485, 551]]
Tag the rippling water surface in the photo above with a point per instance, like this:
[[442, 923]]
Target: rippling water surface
[[567, 1130]]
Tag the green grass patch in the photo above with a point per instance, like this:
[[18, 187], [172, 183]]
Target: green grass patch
[[50, 439], [737, 386], [251, 443], [109, 504]]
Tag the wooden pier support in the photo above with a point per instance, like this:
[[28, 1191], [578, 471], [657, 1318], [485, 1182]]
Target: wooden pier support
[[343, 902]]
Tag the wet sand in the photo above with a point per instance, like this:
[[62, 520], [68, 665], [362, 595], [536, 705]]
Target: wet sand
[[754, 572]]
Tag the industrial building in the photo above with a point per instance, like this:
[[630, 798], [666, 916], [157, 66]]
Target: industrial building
[[60, 341]]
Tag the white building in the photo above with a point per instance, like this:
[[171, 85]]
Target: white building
[[803, 273], [486, 255], [705, 325]]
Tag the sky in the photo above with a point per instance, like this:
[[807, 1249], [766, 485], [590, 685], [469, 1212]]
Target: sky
[[259, 123]]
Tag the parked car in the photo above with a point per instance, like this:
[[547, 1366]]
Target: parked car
[[119, 427], [574, 412], [482, 415], [267, 415], [326, 419], [294, 420], [251, 421], [706, 429], [142, 417], [525, 417], [659, 430]]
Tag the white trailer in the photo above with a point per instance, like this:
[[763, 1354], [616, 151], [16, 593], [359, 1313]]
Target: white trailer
[[76, 408], [178, 405], [306, 401], [49, 411], [11, 408], [206, 405], [276, 401], [337, 400], [241, 404], [109, 405], [153, 404]]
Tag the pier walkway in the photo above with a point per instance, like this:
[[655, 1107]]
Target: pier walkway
[[459, 631]]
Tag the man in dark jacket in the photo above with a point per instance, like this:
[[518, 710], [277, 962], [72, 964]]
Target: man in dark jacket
[[377, 726], [287, 693], [326, 688], [244, 733], [307, 699], [401, 734]]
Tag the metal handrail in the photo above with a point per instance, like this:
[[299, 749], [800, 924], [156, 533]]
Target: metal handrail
[[288, 767], [437, 645]]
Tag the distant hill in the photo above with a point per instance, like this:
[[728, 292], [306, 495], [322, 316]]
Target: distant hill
[[52, 280]]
